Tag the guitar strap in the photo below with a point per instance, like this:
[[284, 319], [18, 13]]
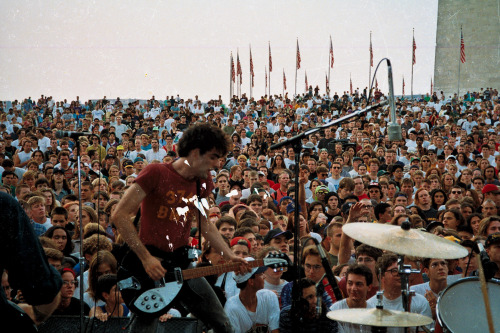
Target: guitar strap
[[198, 194]]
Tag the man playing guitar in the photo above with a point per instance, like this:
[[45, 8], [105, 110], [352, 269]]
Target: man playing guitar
[[168, 197]]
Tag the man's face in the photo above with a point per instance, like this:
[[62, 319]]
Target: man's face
[[240, 251], [227, 230], [374, 193], [335, 169], [424, 197], [438, 270], [494, 253], [313, 268], [280, 243], [359, 186], [86, 192], [335, 237], [253, 241], [58, 220], [309, 294], [356, 287], [256, 206], [284, 179], [391, 278], [38, 210], [64, 160]]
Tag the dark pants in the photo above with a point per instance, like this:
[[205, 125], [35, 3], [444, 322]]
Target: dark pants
[[199, 298]]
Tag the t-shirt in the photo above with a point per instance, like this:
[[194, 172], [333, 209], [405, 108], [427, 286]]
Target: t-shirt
[[418, 305], [73, 309], [168, 208], [349, 327], [265, 318]]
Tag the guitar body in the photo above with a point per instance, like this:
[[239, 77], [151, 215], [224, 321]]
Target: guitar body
[[149, 298], [140, 293]]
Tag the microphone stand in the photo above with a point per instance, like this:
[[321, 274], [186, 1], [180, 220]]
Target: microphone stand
[[81, 260], [296, 143]]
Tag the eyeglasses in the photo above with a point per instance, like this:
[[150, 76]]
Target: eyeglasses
[[367, 259], [425, 160], [313, 267], [335, 167], [394, 271], [456, 192], [67, 283]]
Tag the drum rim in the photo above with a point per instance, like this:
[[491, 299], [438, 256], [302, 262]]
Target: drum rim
[[463, 280]]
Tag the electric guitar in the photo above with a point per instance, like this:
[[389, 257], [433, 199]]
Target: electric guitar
[[149, 298]]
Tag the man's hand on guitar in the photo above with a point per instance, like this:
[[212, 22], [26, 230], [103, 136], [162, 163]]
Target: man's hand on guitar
[[243, 267], [153, 267]]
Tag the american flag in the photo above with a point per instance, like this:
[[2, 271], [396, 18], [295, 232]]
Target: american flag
[[403, 85], [270, 59], [298, 55], [331, 52], [462, 47], [251, 67], [284, 80], [371, 51], [350, 80], [431, 86], [232, 69], [238, 69], [265, 71], [414, 48], [306, 82]]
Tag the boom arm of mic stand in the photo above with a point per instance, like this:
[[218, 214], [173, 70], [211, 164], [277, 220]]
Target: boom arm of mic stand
[[300, 136]]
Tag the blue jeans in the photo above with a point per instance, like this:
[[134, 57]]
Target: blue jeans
[[199, 298]]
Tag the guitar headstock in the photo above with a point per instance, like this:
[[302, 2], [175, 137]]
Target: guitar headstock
[[277, 260]]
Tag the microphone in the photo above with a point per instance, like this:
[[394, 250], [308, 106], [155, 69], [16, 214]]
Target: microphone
[[393, 129], [71, 134], [328, 271], [490, 268]]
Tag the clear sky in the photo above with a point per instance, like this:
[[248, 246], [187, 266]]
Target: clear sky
[[135, 49]]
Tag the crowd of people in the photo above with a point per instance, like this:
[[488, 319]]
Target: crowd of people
[[442, 177]]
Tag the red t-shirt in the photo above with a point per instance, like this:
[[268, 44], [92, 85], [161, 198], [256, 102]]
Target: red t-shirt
[[168, 208]]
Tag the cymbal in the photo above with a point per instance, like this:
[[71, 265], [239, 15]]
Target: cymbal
[[379, 317], [408, 242]]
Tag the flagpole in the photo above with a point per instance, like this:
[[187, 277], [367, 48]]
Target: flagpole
[[230, 77], [270, 69], [370, 65], [412, 62], [251, 79], [329, 66], [296, 64], [459, 62], [284, 80]]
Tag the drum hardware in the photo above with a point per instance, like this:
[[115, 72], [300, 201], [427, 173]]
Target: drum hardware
[[461, 308]]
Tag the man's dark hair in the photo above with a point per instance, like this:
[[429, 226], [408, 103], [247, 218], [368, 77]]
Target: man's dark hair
[[360, 270], [380, 209], [241, 232], [104, 285], [385, 261], [59, 211], [41, 181], [369, 251], [226, 219], [205, 137]]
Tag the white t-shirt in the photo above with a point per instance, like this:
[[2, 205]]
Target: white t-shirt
[[418, 305], [43, 144], [349, 327], [266, 314]]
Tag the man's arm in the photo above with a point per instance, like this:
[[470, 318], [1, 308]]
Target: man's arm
[[210, 233], [345, 247], [122, 218], [40, 313]]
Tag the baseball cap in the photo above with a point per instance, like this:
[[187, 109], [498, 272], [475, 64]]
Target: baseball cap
[[414, 159], [374, 184], [488, 188], [382, 172], [120, 147], [275, 233], [237, 240], [138, 159], [58, 170], [321, 188], [109, 156], [155, 128], [285, 198], [240, 278], [492, 239], [128, 164]]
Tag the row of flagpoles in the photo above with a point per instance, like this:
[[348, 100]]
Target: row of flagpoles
[[236, 75]]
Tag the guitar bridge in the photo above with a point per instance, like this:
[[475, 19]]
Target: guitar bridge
[[178, 275], [129, 283]]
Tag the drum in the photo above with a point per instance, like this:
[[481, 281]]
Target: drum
[[460, 307]]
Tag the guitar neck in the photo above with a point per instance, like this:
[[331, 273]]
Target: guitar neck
[[194, 273]]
